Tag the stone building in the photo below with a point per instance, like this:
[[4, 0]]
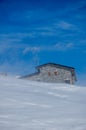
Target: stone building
[[54, 73]]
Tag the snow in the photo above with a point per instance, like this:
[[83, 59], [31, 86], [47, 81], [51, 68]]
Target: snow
[[27, 105]]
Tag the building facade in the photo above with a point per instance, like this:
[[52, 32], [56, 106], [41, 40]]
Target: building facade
[[54, 73]]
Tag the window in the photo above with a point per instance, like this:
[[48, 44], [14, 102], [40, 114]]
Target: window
[[55, 73], [49, 73], [67, 81]]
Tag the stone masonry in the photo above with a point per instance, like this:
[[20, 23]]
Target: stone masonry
[[54, 74]]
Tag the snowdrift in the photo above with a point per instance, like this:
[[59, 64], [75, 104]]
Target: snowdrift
[[27, 105]]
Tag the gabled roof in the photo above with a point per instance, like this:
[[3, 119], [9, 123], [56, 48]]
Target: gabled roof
[[56, 65]]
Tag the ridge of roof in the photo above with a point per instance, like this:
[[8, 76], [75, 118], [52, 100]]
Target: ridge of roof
[[55, 65]]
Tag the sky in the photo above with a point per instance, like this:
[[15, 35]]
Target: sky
[[34, 32]]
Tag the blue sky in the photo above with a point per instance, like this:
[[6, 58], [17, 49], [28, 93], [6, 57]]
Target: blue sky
[[33, 32]]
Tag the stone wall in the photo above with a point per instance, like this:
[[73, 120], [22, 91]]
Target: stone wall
[[53, 74]]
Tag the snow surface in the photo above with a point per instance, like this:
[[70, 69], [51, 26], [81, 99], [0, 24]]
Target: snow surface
[[27, 105]]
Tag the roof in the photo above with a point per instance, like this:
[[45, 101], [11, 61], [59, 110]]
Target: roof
[[56, 65]]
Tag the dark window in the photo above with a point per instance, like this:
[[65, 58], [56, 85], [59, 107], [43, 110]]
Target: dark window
[[49, 73], [67, 81], [56, 73]]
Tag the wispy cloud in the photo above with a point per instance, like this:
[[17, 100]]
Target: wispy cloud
[[64, 25], [16, 35], [64, 46], [4, 47], [50, 33], [55, 47], [13, 40], [31, 49], [74, 6], [36, 28], [58, 28]]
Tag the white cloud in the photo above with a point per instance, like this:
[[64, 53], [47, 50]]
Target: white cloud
[[45, 31], [56, 47], [44, 28], [31, 49], [13, 40], [74, 6], [49, 33], [8, 46], [26, 49], [18, 35], [64, 46], [64, 25]]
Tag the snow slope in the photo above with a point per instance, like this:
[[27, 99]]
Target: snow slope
[[26, 105]]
